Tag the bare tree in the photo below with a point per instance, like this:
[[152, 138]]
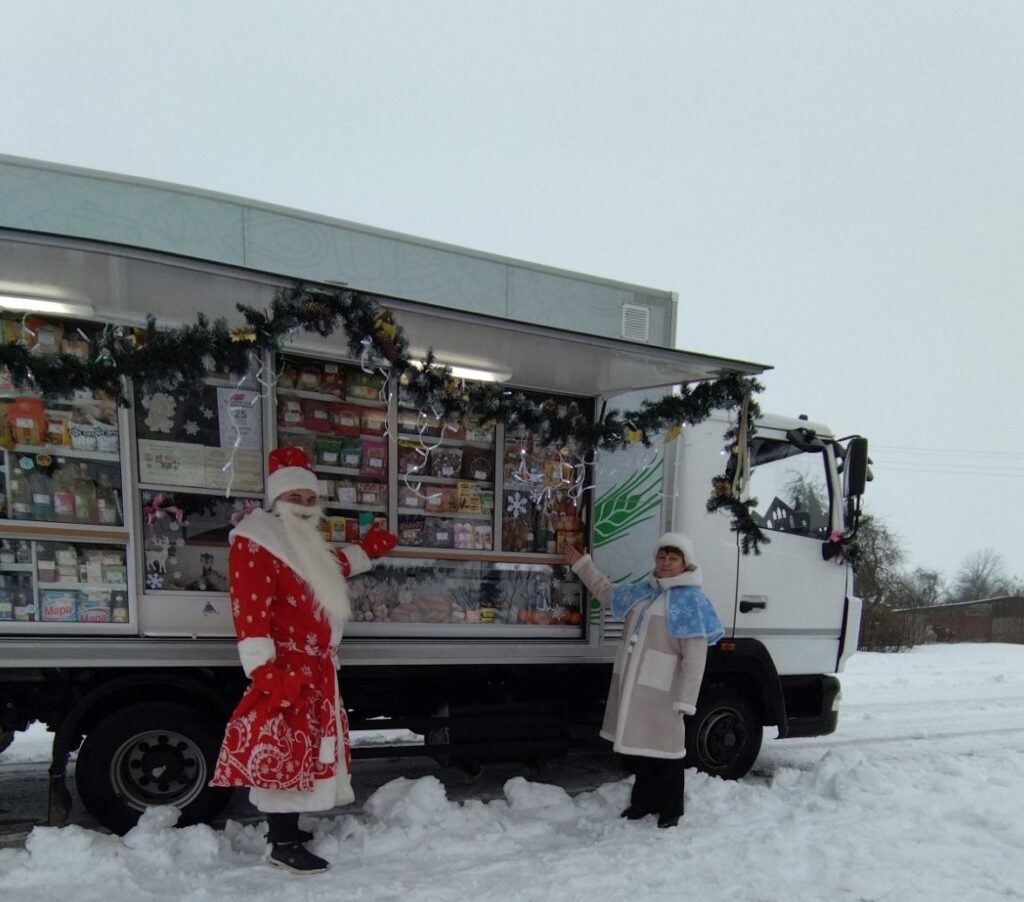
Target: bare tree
[[981, 575], [919, 588]]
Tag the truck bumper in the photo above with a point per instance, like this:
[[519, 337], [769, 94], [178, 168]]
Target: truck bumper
[[823, 719]]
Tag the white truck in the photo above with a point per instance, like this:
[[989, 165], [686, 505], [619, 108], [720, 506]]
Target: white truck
[[115, 626]]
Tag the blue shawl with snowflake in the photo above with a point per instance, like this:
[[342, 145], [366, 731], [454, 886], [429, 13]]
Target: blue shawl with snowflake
[[688, 611]]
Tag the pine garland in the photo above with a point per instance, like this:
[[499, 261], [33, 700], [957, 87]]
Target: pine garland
[[157, 359]]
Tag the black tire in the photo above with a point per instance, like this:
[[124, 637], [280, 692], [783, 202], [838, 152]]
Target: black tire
[[150, 754], [724, 737]]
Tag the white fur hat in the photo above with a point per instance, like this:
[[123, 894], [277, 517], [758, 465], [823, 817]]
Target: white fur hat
[[682, 542]]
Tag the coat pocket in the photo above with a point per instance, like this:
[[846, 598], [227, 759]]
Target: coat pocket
[[657, 670]]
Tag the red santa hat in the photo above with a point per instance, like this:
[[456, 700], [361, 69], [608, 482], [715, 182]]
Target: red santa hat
[[290, 470]]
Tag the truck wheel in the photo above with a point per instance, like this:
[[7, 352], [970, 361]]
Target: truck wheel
[[724, 737], [150, 754]]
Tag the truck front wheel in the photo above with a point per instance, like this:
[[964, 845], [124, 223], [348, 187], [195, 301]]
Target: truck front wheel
[[724, 737], [145, 755]]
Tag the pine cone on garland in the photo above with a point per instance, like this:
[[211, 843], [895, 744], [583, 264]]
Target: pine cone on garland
[[385, 335]]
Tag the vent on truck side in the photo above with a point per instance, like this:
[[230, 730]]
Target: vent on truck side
[[636, 322], [611, 629]]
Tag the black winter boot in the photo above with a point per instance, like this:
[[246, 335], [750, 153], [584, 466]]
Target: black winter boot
[[296, 859]]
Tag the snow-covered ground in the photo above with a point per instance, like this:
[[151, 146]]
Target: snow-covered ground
[[918, 796]]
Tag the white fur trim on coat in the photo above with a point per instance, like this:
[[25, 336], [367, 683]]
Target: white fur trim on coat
[[255, 652], [357, 559]]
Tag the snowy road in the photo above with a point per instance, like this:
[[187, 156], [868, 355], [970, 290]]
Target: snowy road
[[918, 796]]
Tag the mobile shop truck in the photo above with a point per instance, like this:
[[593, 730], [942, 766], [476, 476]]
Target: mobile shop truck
[[115, 624]]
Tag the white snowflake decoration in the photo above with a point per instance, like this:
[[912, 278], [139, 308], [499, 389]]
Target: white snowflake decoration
[[516, 505], [206, 412], [154, 580], [191, 428]]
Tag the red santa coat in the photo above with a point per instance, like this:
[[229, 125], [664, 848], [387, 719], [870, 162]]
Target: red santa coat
[[272, 744]]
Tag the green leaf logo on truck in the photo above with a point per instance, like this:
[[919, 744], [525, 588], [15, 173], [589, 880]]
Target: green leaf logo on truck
[[625, 505]]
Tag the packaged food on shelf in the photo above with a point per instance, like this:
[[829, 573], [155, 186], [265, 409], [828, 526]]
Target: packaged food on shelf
[[345, 419], [479, 434], [58, 428], [446, 462], [346, 491], [289, 413], [327, 451], [476, 465], [351, 453], [441, 499], [6, 552], [107, 436], [315, 416], [468, 498], [6, 599], [58, 606], [415, 422], [411, 458], [75, 347], [23, 607], [47, 338], [483, 537], [20, 492], [27, 419], [486, 501], [453, 429], [309, 377], [462, 535], [374, 456], [336, 529], [410, 497], [363, 386], [438, 532], [118, 607], [372, 421], [288, 376], [333, 380], [94, 606], [374, 494], [411, 530], [325, 488]]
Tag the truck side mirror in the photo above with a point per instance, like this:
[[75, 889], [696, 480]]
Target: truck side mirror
[[855, 467]]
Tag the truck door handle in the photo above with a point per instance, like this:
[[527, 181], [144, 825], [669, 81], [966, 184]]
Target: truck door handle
[[752, 603]]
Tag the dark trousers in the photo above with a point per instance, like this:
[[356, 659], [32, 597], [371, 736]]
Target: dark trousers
[[284, 828], [659, 784]]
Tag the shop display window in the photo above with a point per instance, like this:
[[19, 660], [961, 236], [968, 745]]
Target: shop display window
[[338, 414], [63, 582], [186, 539], [61, 456], [205, 438], [445, 481], [467, 592], [540, 509]]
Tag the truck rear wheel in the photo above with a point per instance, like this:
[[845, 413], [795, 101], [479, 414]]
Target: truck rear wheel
[[145, 755], [724, 737]]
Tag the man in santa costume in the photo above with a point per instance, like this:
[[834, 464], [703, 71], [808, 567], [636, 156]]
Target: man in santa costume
[[288, 738]]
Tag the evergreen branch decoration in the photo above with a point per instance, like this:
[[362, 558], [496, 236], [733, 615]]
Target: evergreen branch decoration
[[157, 359]]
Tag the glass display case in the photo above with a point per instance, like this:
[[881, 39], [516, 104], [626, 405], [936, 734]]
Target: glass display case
[[338, 414], [63, 584], [464, 562], [483, 596]]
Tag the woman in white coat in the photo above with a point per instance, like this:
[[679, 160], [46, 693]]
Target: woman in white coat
[[659, 665]]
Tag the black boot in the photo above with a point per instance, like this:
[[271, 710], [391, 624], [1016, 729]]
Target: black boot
[[296, 859], [634, 813], [668, 820]]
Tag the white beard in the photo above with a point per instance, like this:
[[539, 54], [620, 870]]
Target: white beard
[[320, 568]]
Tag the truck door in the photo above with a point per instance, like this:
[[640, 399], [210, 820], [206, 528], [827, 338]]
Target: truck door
[[788, 597]]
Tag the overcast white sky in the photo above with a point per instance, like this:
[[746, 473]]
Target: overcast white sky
[[835, 189]]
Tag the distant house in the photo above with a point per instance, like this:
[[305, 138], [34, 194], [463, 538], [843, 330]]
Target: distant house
[[998, 619]]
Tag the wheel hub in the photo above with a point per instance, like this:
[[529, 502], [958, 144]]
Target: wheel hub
[[158, 768]]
